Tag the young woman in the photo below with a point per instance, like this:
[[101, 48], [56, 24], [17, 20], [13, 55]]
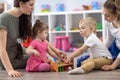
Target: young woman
[[111, 11]]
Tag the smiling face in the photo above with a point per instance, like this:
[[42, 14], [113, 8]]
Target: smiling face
[[27, 7], [108, 16]]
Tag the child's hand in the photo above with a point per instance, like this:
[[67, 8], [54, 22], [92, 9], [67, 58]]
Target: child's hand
[[63, 56], [68, 60], [35, 52]]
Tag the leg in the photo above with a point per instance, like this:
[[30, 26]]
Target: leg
[[99, 62], [87, 66], [44, 67]]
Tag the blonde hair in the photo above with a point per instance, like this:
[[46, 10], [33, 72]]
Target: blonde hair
[[89, 22]]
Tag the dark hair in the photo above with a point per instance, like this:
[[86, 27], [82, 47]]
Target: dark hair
[[113, 6], [24, 22], [38, 26]]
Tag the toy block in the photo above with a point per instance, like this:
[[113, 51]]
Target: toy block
[[60, 67]]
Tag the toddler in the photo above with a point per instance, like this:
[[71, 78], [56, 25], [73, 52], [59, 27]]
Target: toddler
[[38, 49], [99, 54]]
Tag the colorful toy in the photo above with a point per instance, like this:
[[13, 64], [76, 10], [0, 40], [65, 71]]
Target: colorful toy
[[99, 26], [45, 8], [60, 28], [60, 7], [86, 7], [95, 5], [60, 67], [26, 42], [61, 41]]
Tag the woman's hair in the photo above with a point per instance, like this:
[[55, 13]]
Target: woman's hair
[[113, 6], [89, 21], [38, 26], [24, 22]]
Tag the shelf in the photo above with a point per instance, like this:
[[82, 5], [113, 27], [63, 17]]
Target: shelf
[[68, 21]]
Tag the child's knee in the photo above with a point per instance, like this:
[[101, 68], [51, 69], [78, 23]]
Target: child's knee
[[88, 66]]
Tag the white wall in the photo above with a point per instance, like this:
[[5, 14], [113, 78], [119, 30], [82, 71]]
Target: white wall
[[69, 4]]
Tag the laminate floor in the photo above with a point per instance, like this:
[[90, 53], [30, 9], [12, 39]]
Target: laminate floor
[[94, 75]]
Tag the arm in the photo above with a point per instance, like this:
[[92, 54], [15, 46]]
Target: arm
[[50, 52], [30, 51], [76, 53], [4, 56], [108, 38], [59, 53], [113, 65]]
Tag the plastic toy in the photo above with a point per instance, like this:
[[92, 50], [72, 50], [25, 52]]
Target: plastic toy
[[45, 8], [60, 28], [95, 5], [60, 67], [79, 60], [60, 7], [26, 42], [61, 41], [99, 26], [86, 7]]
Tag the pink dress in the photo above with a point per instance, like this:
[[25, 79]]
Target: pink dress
[[34, 61]]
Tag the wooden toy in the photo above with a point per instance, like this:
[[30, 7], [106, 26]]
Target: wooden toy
[[60, 67]]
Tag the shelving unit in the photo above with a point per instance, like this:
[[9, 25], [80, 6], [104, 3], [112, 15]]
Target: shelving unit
[[68, 20]]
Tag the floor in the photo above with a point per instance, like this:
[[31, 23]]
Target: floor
[[95, 75]]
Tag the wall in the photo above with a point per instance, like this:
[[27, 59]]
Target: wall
[[69, 4]]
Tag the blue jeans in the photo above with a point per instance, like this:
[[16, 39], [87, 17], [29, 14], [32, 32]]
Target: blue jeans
[[114, 50]]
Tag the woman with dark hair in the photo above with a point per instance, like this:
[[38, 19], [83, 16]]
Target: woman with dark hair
[[111, 11], [14, 23]]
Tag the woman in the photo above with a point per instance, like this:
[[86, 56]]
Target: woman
[[16, 23], [111, 11]]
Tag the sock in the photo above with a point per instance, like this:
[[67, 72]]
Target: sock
[[76, 71]]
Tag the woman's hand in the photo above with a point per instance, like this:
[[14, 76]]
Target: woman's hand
[[108, 67], [14, 73]]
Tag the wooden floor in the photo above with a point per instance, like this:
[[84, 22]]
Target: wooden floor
[[95, 75]]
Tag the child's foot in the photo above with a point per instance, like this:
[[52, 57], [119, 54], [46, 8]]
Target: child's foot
[[76, 71]]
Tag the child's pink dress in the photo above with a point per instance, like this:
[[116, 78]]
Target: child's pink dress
[[34, 61]]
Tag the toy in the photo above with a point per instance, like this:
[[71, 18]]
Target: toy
[[60, 66], [60, 7], [99, 26], [26, 42], [61, 41], [45, 8], [86, 7], [95, 5]]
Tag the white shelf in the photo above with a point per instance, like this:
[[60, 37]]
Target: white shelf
[[68, 20]]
